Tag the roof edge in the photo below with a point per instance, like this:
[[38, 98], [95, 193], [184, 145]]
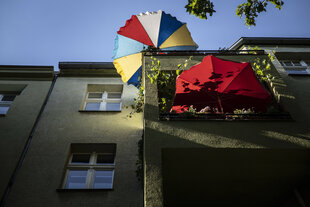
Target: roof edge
[[86, 65], [87, 69], [269, 41], [26, 72]]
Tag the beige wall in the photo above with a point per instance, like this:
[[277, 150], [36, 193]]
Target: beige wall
[[164, 135], [63, 124], [16, 125]]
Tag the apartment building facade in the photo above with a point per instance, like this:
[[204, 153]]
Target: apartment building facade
[[84, 149], [67, 139]]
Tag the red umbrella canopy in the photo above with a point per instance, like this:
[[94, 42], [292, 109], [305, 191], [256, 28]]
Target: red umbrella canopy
[[222, 85]]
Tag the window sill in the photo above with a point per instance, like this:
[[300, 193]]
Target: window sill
[[97, 111], [298, 74], [225, 117], [82, 190]]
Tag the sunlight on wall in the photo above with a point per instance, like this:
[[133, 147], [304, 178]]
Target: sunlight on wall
[[292, 139], [207, 139]]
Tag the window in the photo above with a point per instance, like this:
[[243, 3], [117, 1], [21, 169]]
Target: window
[[103, 98], [8, 93], [296, 67], [5, 102], [90, 166], [98, 101]]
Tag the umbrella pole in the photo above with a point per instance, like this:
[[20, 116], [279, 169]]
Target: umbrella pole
[[220, 102]]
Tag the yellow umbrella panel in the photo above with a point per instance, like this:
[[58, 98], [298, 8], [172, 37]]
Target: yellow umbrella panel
[[128, 65]]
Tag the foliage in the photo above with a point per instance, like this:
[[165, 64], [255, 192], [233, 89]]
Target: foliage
[[137, 107], [244, 111], [262, 66], [205, 110], [166, 82], [139, 162], [250, 9], [191, 109], [155, 71], [166, 85], [200, 8], [209, 110], [240, 114]]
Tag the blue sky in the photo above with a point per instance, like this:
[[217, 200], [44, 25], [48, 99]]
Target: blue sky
[[45, 32]]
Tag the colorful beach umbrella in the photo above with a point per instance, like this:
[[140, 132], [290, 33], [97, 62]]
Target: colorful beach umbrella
[[156, 29], [222, 85]]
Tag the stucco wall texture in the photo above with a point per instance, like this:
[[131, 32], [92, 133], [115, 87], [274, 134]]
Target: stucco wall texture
[[16, 125], [62, 124], [293, 94]]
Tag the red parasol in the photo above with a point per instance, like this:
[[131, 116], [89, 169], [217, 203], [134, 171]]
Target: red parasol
[[220, 84]]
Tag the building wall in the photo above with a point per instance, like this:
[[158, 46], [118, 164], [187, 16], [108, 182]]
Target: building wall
[[296, 84], [164, 138], [62, 124], [16, 125]]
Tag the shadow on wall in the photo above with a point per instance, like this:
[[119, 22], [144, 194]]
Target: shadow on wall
[[231, 134], [246, 181], [233, 177]]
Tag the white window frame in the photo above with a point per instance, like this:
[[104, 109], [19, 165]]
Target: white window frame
[[302, 68], [90, 167], [6, 104], [103, 100]]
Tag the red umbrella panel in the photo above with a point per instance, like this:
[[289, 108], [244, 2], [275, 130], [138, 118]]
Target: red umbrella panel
[[221, 85]]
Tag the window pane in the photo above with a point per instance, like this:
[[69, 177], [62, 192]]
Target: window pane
[[76, 179], [103, 179], [92, 106], [296, 63], [94, 95], [105, 159], [287, 63], [4, 109], [80, 158], [297, 72], [114, 95], [113, 106], [8, 98]]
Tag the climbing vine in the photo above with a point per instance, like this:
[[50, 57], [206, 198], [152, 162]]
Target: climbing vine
[[166, 85], [262, 66], [166, 82], [139, 162], [137, 106]]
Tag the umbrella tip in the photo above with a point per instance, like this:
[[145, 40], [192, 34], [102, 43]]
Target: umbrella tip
[[149, 13]]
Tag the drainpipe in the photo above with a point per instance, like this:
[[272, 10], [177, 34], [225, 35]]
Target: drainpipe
[[22, 157]]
